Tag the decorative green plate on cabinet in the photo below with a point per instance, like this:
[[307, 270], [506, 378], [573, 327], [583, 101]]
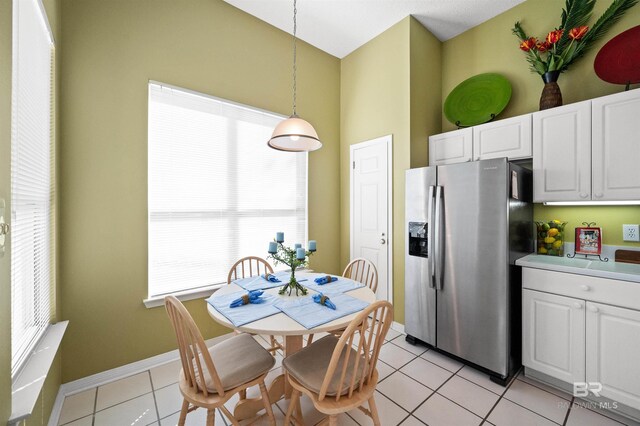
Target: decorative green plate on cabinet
[[477, 100]]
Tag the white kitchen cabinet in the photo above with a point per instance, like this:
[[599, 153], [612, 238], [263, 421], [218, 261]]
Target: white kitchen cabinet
[[562, 153], [612, 350], [616, 147], [451, 147], [509, 138], [553, 336], [579, 328]]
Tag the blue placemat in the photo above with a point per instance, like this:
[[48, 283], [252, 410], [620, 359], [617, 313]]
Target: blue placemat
[[259, 283], [246, 313], [311, 314], [342, 285]]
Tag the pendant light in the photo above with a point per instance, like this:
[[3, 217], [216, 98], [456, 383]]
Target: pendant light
[[294, 134]]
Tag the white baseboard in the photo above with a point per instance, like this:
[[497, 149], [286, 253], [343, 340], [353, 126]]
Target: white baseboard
[[398, 327], [114, 374]]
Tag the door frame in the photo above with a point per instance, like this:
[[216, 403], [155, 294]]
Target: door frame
[[388, 142]]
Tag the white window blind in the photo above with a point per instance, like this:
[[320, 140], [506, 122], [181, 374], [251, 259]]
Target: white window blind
[[31, 178], [216, 191]]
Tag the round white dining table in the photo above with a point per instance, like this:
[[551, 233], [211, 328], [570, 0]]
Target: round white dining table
[[281, 325]]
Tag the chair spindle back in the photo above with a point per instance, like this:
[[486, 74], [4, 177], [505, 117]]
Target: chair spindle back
[[248, 267], [362, 270], [370, 327], [194, 353]]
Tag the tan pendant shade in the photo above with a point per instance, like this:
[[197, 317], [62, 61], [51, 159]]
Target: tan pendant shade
[[295, 135]]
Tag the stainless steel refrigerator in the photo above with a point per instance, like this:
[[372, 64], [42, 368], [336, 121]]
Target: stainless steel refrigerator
[[466, 225]]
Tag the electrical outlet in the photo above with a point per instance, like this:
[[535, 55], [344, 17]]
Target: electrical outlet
[[630, 233]]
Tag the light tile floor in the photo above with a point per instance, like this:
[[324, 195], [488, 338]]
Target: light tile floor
[[417, 386]]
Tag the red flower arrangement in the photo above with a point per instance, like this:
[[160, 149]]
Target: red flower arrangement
[[569, 42]]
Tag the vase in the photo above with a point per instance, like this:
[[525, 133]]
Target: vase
[[551, 96], [550, 237]]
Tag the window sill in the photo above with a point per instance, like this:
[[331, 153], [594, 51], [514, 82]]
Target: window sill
[[28, 384], [199, 293]]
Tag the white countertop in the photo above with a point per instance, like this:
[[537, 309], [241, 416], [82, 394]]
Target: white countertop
[[595, 268]]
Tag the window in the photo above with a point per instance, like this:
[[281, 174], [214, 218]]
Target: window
[[31, 179], [217, 192]]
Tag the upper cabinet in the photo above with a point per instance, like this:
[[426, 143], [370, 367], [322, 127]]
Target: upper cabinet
[[451, 147], [588, 151], [562, 153], [616, 147], [509, 138]]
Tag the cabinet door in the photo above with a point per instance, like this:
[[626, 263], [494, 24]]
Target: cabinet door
[[562, 153], [509, 138], [616, 147], [553, 335], [451, 147], [613, 347]]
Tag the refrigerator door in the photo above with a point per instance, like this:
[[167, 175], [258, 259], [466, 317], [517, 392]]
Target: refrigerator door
[[472, 264], [420, 294]]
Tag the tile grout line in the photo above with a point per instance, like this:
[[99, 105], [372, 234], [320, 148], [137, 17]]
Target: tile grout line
[[153, 392], [566, 418], [95, 407], [486, 418]]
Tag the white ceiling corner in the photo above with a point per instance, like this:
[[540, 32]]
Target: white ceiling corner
[[339, 27]]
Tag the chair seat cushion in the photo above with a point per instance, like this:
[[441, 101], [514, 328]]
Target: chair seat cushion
[[309, 366], [237, 360]]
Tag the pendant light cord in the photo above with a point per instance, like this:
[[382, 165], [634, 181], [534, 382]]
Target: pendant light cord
[[295, 11]]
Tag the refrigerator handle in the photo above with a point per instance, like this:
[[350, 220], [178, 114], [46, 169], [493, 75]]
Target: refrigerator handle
[[439, 238], [430, 237]]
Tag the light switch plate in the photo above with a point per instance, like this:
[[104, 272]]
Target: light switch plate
[[630, 232]]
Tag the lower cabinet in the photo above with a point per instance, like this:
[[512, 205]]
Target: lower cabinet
[[553, 335], [575, 340], [613, 350]]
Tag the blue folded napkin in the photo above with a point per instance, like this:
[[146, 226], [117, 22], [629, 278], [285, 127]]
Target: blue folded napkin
[[323, 300], [325, 280], [252, 297], [270, 277]]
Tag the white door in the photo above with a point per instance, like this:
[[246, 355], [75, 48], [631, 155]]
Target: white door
[[562, 153], [370, 208], [613, 345], [553, 335], [616, 147]]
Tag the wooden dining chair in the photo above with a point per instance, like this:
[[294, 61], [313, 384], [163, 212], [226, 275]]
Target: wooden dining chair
[[363, 271], [248, 267], [211, 376], [339, 374]]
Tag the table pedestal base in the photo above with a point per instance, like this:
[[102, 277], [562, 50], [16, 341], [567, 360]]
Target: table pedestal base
[[279, 388]]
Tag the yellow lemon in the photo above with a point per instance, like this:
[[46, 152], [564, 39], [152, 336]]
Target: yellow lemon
[[556, 221], [542, 250], [553, 232], [549, 240], [557, 244]]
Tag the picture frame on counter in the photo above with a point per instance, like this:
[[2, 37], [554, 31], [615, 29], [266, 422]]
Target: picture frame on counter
[[588, 240]]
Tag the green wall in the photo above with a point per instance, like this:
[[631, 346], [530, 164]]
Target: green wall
[[490, 47], [5, 193], [111, 51], [390, 85]]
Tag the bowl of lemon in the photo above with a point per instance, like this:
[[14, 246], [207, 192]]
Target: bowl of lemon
[[550, 237]]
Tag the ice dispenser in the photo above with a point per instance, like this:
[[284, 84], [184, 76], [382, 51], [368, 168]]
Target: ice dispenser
[[418, 239]]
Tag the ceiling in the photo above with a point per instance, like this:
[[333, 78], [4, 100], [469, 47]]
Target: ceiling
[[341, 26]]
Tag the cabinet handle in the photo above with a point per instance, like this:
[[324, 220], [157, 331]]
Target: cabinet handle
[[585, 287], [593, 309], [583, 195], [577, 305], [598, 195]]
